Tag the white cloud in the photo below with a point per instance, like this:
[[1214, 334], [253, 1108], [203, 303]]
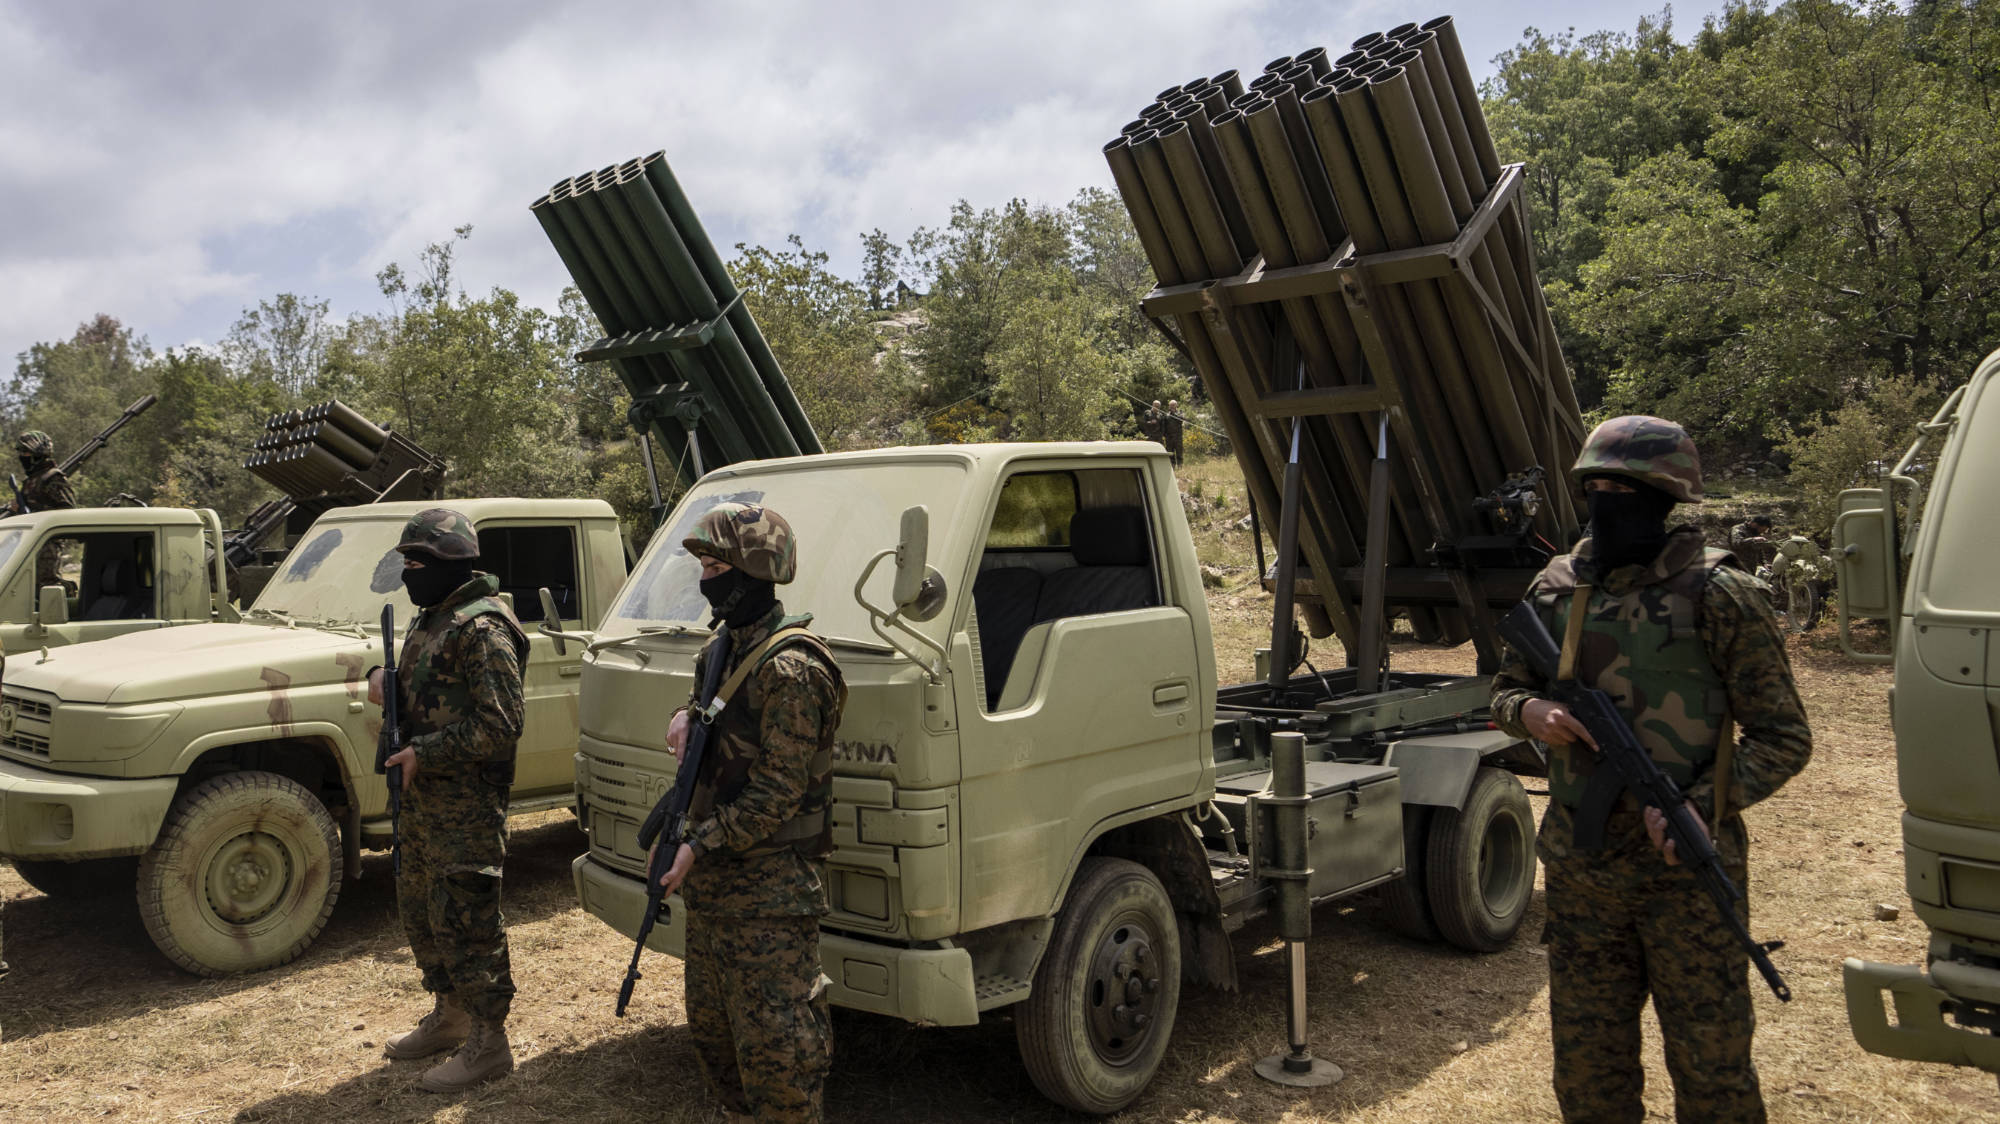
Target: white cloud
[[171, 162]]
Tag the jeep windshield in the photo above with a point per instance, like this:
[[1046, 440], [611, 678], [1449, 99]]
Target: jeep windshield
[[343, 570], [842, 515]]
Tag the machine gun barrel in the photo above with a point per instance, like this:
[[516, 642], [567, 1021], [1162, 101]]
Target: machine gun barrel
[[240, 548], [89, 448]]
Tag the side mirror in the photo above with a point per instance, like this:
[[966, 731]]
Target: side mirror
[[552, 622], [919, 590], [52, 607]]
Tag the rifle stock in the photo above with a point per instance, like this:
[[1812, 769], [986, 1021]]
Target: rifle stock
[[1623, 765], [666, 824], [391, 739]]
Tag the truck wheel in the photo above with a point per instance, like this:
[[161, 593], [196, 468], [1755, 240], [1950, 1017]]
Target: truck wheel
[[1094, 1028], [90, 878], [1406, 903], [1482, 863], [243, 876]]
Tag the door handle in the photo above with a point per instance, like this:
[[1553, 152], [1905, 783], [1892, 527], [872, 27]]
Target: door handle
[[569, 669], [1170, 694]]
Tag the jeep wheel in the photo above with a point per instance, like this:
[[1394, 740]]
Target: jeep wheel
[[90, 878], [1482, 863], [1094, 1028], [1406, 903], [243, 876]]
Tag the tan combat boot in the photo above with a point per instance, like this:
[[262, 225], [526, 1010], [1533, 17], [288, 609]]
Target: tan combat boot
[[484, 1057], [443, 1028]]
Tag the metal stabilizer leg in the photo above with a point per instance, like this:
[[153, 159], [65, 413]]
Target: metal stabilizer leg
[[1288, 813]]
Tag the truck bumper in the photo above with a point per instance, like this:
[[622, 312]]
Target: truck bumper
[[924, 985], [47, 815], [1920, 1032]]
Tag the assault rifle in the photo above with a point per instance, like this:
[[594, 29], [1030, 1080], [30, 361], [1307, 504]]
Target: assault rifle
[[667, 823], [20, 501], [1623, 765], [390, 742]]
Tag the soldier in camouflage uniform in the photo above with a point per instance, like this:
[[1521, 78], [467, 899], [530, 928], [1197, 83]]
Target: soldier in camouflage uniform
[[1686, 643], [1750, 541], [459, 690], [752, 871], [45, 489]]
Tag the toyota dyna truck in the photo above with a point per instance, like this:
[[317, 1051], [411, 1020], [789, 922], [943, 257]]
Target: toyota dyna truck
[[1923, 564], [1044, 802], [224, 772]]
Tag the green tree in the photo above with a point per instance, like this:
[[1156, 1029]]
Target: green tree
[[74, 388], [817, 324], [1053, 379], [881, 261]]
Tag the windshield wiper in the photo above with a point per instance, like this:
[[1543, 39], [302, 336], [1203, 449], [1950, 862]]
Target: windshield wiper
[[646, 631], [274, 614]]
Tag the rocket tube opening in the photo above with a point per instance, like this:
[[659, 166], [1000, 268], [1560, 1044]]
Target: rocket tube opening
[[1367, 41], [1277, 64], [1400, 30], [1264, 81], [1403, 58], [1351, 58]]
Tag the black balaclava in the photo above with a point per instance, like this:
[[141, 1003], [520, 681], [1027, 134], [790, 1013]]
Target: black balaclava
[[32, 463], [737, 599], [437, 580], [1628, 527]]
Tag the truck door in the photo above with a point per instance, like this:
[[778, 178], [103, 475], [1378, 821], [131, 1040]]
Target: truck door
[[1088, 705], [112, 575], [526, 558]]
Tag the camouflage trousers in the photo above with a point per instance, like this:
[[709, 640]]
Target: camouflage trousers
[[758, 1012], [1624, 926], [449, 898]]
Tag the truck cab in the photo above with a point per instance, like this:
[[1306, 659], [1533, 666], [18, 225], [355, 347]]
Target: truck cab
[[1923, 564], [135, 569], [235, 760]]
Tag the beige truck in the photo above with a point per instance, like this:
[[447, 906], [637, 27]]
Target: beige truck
[[1042, 799], [1923, 564], [137, 569], [224, 771]]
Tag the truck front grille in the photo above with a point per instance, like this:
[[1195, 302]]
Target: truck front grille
[[26, 733]]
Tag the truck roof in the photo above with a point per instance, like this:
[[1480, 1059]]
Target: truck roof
[[993, 455], [479, 510], [105, 516]]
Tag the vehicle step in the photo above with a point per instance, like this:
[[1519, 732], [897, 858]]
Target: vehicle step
[[996, 990]]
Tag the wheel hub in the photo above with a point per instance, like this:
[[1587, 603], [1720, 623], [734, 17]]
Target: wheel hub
[[1124, 986], [248, 877]]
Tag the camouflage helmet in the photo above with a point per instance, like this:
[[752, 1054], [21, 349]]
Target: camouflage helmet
[[752, 538], [35, 445], [1646, 449], [441, 533]]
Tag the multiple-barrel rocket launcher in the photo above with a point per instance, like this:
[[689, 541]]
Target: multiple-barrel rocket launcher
[[1347, 264], [704, 383], [322, 457]]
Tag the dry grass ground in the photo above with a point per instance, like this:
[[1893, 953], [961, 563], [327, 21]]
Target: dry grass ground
[[97, 1024]]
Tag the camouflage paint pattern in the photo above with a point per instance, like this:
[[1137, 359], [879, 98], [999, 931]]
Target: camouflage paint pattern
[[754, 539], [758, 1013], [1650, 450], [1622, 925], [1640, 646], [34, 445], [756, 999], [45, 489], [459, 684], [441, 533]]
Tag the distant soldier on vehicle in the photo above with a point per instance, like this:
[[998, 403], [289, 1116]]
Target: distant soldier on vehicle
[[1684, 639], [45, 488], [752, 872], [459, 690], [1175, 429], [1751, 542]]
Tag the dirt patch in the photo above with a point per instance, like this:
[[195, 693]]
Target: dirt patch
[[98, 1024]]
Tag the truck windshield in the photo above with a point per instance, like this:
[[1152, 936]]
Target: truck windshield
[[341, 571], [10, 541], [1968, 536], [843, 515]]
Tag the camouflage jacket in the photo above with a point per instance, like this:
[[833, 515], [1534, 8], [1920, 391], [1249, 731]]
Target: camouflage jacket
[[46, 489], [1741, 637], [460, 681], [791, 707]]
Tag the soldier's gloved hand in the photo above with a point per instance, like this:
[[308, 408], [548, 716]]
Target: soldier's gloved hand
[[407, 758], [1656, 827], [1550, 721], [677, 733]]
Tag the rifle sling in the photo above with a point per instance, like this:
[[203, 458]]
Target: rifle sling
[[798, 829]]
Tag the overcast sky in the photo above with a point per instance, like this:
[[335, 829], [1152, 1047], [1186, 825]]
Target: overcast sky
[[171, 163]]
